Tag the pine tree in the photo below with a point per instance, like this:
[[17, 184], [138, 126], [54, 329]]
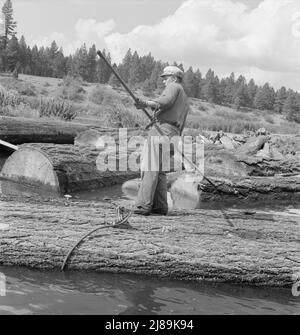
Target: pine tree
[[59, 64], [222, 88], [240, 81], [53, 50], [35, 61], [12, 54], [159, 83], [265, 98], [46, 56], [103, 71], [43, 62], [125, 66], [136, 71], [251, 92], [10, 24], [180, 66], [291, 107], [28, 64], [197, 84], [56, 61], [92, 64], [240, 97], [69, 65], [24, 56], [229, 89], [210, 87], [147, 64], [280, 98], [189, 83], [80, 62], [156, 72]]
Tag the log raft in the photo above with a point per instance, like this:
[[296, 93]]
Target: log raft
[[229, 246]]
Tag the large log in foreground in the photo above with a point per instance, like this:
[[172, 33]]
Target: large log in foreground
[[58, 169], [223, 246]]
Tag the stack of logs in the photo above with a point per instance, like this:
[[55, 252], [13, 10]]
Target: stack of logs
[[61, 157]]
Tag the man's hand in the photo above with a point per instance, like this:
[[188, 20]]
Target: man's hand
[[140, 104]]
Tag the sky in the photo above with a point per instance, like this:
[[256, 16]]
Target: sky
[[257, 38]]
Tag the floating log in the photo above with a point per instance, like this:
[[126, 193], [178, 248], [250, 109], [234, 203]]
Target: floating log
[[191, 191], [232, 246], [58, 169], [18, 130]]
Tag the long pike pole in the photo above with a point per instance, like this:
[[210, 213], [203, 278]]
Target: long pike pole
[[9, 145], [99, 53]]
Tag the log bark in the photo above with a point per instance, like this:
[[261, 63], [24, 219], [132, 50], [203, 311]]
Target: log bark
[[264, 166], [58, 168], [220, 162], [223, 246], [23, 130], [252, 188]]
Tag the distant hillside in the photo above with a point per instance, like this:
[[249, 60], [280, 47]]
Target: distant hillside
[[33, 96]]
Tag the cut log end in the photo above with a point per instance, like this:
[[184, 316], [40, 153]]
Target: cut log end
[[29, 167]]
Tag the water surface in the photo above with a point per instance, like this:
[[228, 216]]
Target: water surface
[[36, 292]]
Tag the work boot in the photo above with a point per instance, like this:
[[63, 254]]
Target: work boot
[[141, 211], [158, 211]]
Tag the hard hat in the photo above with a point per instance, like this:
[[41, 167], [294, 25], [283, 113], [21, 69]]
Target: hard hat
[[172, 71]]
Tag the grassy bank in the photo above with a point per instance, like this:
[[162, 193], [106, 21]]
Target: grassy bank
[[73, 99]]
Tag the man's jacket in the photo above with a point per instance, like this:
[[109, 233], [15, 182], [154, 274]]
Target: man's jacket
[[173, 104]]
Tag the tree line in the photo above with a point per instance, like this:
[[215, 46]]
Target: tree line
[[139, 72]]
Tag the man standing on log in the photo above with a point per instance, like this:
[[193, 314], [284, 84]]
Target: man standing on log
[[171, 110]]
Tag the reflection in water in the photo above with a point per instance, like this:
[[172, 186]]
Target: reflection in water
[[36, 292]]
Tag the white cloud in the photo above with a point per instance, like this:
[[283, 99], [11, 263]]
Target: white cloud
[[46, 41], [87, 27], [225, 35], [262, 42], [88, 31]]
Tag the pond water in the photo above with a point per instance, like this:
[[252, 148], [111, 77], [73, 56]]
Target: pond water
[[36, 292]]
